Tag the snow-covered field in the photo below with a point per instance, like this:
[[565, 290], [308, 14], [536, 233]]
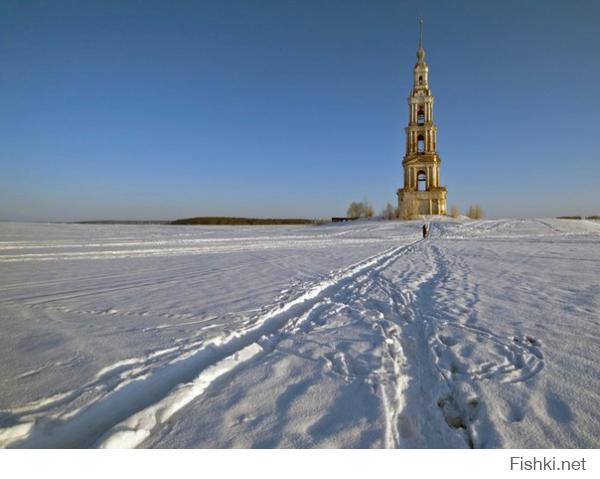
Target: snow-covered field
[[348, 335]]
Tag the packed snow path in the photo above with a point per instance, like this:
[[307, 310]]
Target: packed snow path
[[484, 335]]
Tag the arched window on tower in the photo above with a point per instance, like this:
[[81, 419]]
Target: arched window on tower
[[420, 117], [420, 79], [421, 181], [420, 144]]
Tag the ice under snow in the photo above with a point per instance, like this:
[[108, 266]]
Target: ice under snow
[[484, 335]]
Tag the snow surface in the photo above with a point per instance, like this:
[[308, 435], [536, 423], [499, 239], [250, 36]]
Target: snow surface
[[344, 335]]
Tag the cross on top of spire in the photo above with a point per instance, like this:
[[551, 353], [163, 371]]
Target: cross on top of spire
[[421, 50]]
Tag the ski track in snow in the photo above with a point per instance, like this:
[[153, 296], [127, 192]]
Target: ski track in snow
[[432, 357], [135, 397]]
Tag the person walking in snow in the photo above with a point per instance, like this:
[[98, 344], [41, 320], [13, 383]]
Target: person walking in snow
[[424, 231]]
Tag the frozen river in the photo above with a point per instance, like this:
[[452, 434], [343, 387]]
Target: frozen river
[[348, 335]]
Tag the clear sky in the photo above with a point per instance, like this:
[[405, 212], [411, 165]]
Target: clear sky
[[167, 109]]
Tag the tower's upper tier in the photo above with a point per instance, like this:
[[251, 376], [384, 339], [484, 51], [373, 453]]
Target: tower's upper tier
[[421, 72]]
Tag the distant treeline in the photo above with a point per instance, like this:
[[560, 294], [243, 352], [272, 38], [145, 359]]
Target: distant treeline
[[225, 220], [593, 217]]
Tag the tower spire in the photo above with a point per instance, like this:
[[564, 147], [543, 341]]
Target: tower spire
[[420, 32]]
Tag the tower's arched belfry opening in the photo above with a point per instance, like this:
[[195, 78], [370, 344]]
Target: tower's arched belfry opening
[[421, 162]]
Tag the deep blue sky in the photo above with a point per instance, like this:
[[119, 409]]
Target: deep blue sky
[[166, 109]]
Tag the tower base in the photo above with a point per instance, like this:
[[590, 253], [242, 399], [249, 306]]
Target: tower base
[[428, 202]]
